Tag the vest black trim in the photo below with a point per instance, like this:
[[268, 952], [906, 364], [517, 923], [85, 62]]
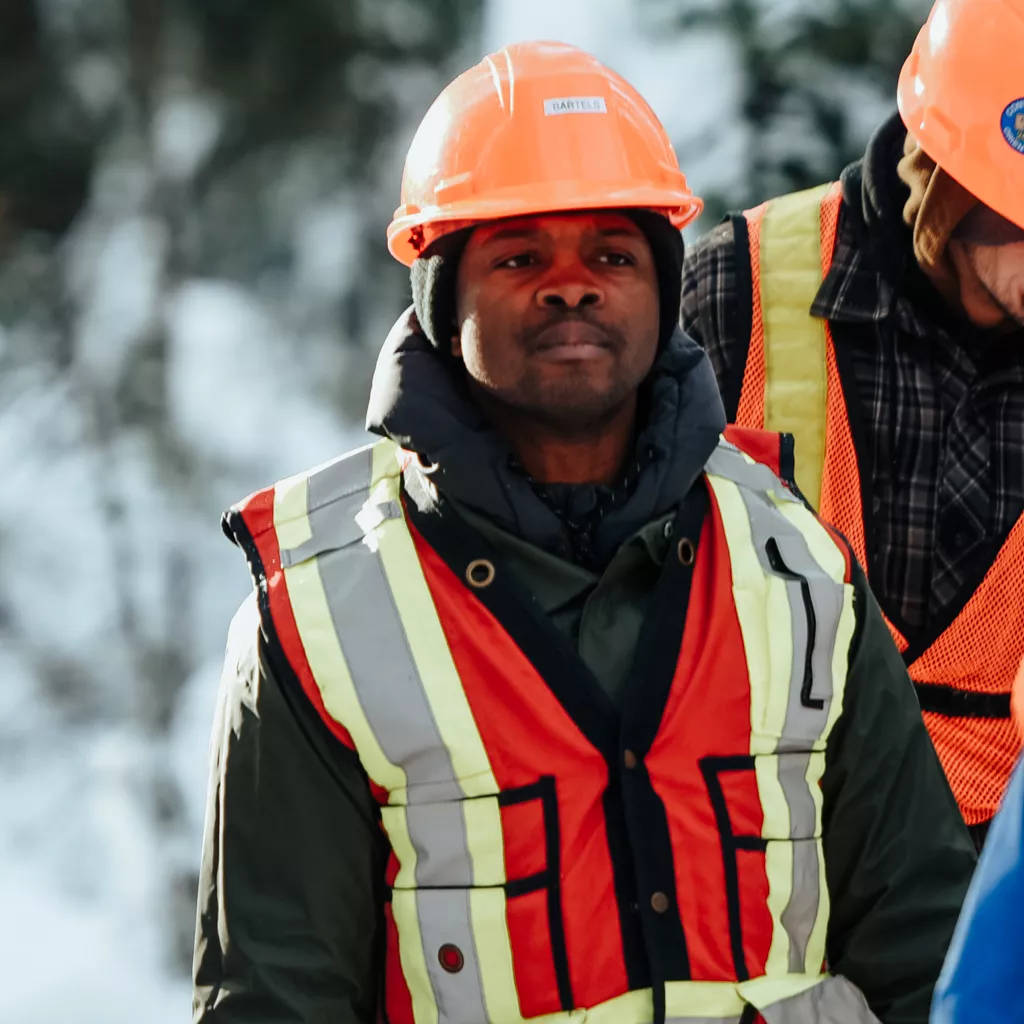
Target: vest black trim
[[712, 768], [550, 879], [842, 342], [739, 316], [956, 703]]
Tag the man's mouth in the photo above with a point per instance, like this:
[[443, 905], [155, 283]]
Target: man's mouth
[[571, 341]]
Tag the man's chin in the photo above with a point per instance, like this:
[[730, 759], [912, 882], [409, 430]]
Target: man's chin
[[575, 414]]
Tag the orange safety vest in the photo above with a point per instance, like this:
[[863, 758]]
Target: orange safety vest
[[964, 670], [551, 856]]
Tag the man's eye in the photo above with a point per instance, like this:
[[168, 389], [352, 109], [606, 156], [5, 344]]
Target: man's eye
[[518, 262], [617, 259]]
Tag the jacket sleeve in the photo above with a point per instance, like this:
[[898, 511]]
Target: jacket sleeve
[[982, 977], [289, 923], [898, 857]]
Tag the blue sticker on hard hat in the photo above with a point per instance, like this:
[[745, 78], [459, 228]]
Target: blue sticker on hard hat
[[1013, 124]]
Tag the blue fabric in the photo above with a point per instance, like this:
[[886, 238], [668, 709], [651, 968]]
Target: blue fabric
[[983, 978]]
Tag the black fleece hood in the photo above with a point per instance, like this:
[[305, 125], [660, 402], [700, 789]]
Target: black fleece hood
[[419, 400]]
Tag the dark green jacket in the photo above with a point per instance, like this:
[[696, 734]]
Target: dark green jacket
[[292, 889]]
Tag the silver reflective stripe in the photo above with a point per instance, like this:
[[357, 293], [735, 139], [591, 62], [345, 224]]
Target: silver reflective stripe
[[793, 777], [445, 917], [827, 602], [392, 695], [801, 912], [728, 461], [335, 496], [384, 672], [438, 834], [834, 1000]]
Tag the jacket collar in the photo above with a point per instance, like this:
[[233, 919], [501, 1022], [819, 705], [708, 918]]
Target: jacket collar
[[419, 401]]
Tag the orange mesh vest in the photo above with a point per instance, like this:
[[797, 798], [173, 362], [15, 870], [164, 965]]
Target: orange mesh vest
[[552, 855], [963, 673]]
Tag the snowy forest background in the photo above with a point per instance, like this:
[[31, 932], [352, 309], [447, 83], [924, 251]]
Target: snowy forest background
[[193, 287]]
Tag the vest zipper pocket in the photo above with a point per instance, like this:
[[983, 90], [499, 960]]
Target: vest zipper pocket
[[780, 568]]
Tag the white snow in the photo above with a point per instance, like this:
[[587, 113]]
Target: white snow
[[185, 129], [237, 391], [117, 279]]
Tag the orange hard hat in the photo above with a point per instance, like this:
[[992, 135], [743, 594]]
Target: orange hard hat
[[535, 128], [961, 94]]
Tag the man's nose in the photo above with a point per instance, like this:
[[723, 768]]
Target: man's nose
[[571, 294]]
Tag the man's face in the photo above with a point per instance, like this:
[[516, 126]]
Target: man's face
[[994, 249], [558, 315]]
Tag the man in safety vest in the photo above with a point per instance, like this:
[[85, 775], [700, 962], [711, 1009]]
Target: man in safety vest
[[879, 321], [556, 703]]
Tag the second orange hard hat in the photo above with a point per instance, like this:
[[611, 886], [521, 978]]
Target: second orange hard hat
[[535, 128], [961, 94]]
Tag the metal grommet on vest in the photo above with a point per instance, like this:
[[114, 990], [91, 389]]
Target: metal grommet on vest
[[659, 903], [686, 551], [629, 759], [480, 573], [450, 957]]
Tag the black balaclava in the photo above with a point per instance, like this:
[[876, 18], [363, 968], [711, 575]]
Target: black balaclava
[[434, 278]]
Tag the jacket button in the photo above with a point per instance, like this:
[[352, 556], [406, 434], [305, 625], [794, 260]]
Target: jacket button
[[659, 903], [629, 759], [686, 551], [480, 573], [450, 958]]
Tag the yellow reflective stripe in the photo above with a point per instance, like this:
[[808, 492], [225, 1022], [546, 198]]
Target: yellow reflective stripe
[[815, 956], [778, 859], [814, 959], [330, 670], [703, 999], [762, 992], [427, 642], [291, 522], [412, 956], [384, 462], [485, 840], [393, 818], [841, 656], [795, 399], [767, 640], [494, 954]]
